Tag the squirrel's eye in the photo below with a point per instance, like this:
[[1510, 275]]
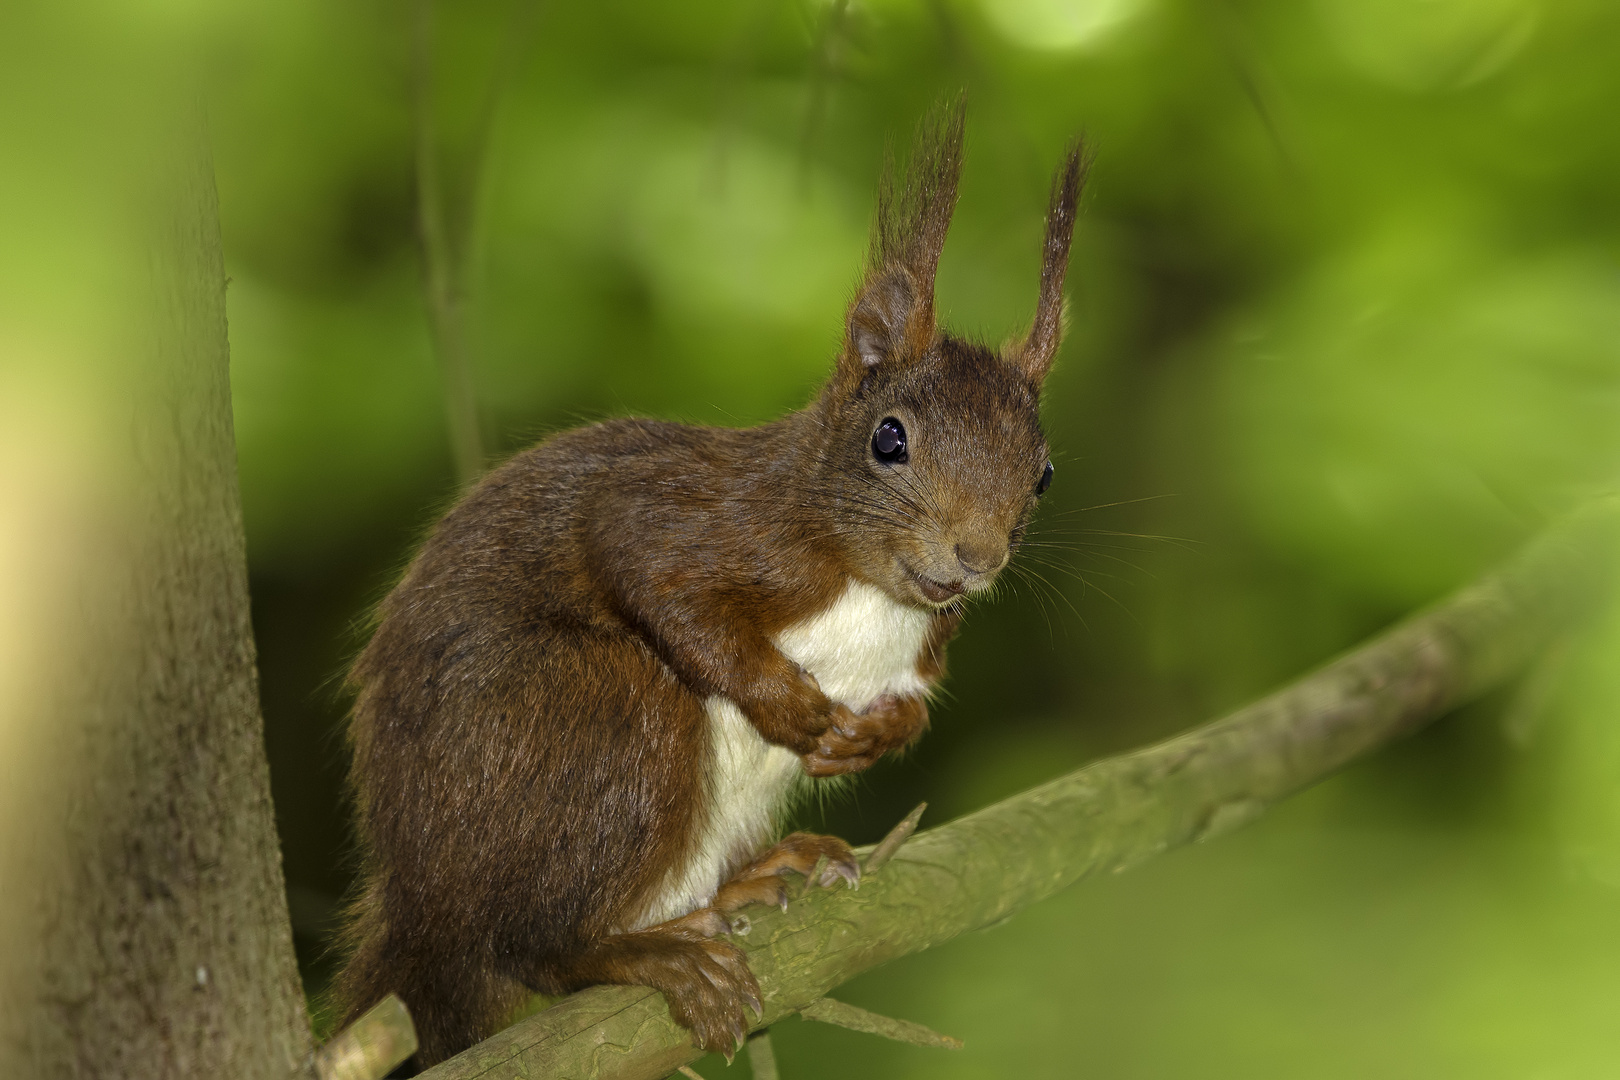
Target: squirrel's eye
[[1045, 481], [889, 442]]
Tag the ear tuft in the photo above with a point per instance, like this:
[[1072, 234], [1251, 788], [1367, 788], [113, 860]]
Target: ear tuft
[[892, 316], [914, 216], [1036, 352]]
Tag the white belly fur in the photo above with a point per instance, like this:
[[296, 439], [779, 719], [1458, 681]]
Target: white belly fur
[[863, 646]]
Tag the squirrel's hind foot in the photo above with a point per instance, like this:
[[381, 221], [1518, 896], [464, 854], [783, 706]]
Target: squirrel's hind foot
[[764, 881], [706, 982]]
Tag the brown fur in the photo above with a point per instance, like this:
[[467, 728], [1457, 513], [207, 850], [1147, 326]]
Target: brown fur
[[530, 740]]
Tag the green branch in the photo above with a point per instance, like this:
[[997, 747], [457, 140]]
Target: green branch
[[1106, 817]]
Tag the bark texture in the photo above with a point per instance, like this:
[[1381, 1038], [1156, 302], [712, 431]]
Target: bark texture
[[143, 921], [979, 870]]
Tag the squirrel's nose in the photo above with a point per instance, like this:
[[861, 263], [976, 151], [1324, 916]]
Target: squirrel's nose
[[981, 556]]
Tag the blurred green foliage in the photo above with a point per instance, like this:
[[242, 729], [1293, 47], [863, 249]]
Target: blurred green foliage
[[1346, 328]]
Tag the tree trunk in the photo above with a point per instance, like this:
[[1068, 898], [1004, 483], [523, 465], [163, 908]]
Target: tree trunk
[[143, 920]]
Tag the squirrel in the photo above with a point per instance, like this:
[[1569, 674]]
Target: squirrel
[[587, 703]]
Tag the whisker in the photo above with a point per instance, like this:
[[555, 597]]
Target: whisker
[[1120, 502], [1040, 600], [1030, 575]]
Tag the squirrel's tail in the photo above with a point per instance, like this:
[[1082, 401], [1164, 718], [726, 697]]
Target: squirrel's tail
[[454, 1001]]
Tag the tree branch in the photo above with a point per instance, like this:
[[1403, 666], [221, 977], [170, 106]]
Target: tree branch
[[369, 1048], [1108, 816]]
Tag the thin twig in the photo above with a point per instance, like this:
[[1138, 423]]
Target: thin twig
[[856, 1018], [762, 1056], [449, 234], [466, 231], [891, 843], [445, 301]]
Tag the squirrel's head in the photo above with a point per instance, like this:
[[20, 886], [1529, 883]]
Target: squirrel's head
[[932, 455]]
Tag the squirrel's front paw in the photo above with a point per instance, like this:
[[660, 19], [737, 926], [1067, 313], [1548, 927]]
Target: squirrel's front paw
[[854, 740], [791, 711]]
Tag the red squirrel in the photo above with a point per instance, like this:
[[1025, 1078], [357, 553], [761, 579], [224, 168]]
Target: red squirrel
[[588, 702]]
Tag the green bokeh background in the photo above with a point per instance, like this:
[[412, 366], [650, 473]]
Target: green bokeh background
[[1345, 330]]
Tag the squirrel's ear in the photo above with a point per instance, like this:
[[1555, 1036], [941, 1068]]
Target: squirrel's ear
[[892, 318], [881, 317], [1035, 353]]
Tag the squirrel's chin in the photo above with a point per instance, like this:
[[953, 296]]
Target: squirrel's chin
[[933, 593], [936, 593]]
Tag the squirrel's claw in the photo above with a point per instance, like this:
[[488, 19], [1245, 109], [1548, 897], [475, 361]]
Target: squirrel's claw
[[845, 870]]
